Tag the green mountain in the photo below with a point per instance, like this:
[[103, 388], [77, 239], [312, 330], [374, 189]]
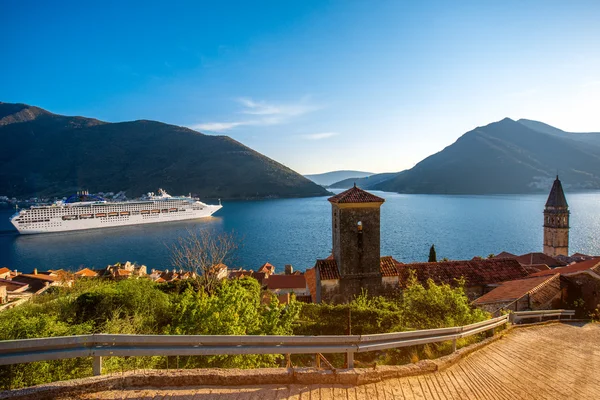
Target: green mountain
[[328, 178], [504, 157], [366, 183], [44, 154]]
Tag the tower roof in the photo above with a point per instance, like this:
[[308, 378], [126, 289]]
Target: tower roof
[[355, 195], [557, 196]]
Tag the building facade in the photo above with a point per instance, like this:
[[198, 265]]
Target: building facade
[[355, 218]]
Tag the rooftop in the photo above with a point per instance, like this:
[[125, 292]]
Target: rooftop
[[505, 254], [328, 268], [475, 272], [557, 199], [593, 265], [539, 258], [514, 290], [86, 272], [286, 282], [355, 195]]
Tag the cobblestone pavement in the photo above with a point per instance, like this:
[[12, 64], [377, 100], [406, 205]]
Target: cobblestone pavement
[[544, 362]]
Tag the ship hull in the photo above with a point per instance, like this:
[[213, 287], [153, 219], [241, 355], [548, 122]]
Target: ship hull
[[58, 224]]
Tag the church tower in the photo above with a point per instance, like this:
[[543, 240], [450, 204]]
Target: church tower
[[556, 222], [355, 217]]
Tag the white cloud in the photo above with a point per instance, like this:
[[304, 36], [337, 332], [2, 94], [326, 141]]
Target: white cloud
[[267, 114], [217, 126], [320, 136], [289, 110]]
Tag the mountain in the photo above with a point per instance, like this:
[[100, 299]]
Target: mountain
[[589, 137], [44, 154], [327, 178], [365, 183], [504, 157]]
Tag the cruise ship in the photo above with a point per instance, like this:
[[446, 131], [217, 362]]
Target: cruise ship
[[84, 211]]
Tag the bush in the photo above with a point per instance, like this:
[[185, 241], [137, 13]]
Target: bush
[[232, 307]]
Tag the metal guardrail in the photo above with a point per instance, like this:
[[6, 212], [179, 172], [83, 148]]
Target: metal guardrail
[[519, 316], [104, 345]]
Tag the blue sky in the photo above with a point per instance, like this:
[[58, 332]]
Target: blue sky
[[316, 85]]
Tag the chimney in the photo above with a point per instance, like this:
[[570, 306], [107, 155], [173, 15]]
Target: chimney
[[289, 270], [35, 271]]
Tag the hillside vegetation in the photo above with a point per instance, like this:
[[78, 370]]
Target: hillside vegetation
[[43, 154], [236, 307]]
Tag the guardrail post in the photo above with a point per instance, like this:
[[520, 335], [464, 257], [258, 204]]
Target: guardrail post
[[317, 361], [453, 345], [350, 359], [97, 365]]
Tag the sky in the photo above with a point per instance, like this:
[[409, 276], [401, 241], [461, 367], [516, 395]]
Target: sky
[[316, 85]]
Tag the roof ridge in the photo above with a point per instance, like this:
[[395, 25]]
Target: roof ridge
[[355, 195]]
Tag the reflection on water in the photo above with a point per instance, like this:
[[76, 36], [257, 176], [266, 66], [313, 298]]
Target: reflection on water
[[297, 231]]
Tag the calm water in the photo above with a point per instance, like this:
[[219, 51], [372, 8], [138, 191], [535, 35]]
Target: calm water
[[298, 231]]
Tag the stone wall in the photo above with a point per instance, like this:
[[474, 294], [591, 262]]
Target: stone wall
[[583, 286]]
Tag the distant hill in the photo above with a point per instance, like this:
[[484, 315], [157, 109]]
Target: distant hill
[[589, 137], [364, 183], [328, 178], [44, 154], [505, 157]]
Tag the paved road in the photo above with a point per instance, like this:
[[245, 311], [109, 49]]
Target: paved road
[[544, 362]]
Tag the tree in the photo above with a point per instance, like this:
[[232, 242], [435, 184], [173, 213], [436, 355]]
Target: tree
[[432, 255], [203, 253]]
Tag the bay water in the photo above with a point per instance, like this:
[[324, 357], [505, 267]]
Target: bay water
[[298, 231]]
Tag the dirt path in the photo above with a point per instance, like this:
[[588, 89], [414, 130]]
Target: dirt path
[[545, 362]]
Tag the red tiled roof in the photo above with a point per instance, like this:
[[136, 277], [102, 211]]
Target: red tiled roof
[[41, 277], [13, 285], [476, 272], [514, 290], [4, 270], [355, 195], [533, 268], [388, 266], [327, 269], [572, 255], [539, 258], [286, 282], [86, 272], [259, 276], [505, 254], [593, 265], [267, 267]]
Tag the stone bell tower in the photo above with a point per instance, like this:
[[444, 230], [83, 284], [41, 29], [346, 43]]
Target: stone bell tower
[[355, 230], [556, 222]]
